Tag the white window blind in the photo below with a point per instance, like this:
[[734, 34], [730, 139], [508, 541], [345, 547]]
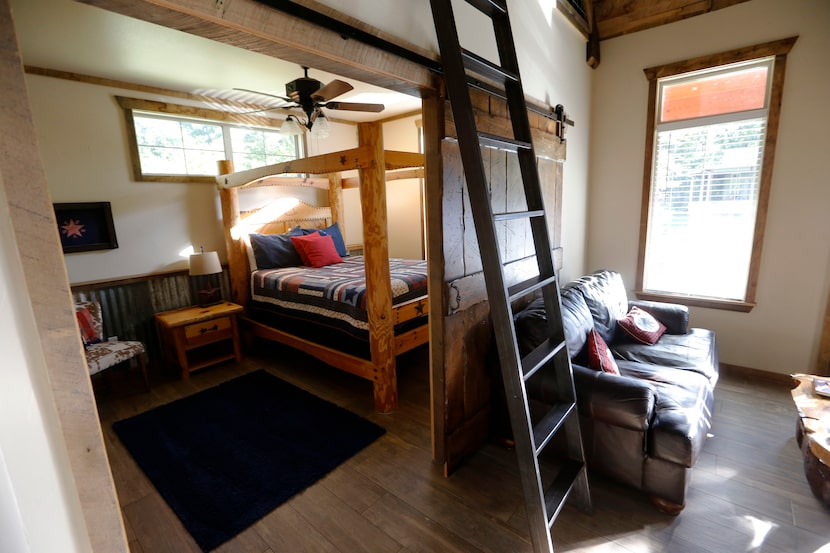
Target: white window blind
[[705, 186]]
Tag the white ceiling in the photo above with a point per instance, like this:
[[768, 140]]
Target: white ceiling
[[69, 36]]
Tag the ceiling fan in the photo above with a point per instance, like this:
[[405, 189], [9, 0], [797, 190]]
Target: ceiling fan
[[310, 95]]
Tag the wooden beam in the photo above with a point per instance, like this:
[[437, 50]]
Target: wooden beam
[[376, 260], [253, 26], [238, 269], [357, 158], [336, 197], [401, 160], [619, 17], [62, 381]]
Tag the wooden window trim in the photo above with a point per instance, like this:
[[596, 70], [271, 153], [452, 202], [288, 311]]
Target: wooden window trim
[[196, 112], [779, 49]]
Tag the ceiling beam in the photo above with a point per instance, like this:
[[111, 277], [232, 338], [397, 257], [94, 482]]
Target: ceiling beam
[[253, 26], [619, 17]]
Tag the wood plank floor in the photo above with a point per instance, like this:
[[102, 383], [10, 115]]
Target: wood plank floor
[[748, 491]]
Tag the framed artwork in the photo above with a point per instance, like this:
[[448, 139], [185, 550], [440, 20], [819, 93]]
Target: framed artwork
[[85, 226]]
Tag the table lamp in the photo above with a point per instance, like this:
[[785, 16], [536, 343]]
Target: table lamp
[[204, 266]]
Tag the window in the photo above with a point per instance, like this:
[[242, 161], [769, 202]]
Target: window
[[710, 149], [180, 143]]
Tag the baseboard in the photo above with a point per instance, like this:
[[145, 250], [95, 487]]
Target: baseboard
[[748, 373]]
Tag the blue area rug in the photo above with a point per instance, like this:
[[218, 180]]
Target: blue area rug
[[225, 457]]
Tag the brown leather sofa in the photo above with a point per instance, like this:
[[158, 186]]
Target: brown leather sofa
[[646, 426]]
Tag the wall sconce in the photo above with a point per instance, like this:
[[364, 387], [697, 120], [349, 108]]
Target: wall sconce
[[204, 267]]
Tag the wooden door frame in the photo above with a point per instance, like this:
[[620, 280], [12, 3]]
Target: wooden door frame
[[243, 23]]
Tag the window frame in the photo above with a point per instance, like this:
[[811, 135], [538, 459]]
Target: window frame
[[177, 111], [779, 49]]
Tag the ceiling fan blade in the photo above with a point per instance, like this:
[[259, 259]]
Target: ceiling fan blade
[[354, 106], [331, 90], [283, 98]]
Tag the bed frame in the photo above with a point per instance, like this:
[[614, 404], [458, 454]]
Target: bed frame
[[372, 164]]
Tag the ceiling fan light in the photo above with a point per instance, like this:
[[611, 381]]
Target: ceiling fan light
[[321, 127], [290, 127]]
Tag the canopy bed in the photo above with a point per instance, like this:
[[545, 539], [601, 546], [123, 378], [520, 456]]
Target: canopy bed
[[366, 327]]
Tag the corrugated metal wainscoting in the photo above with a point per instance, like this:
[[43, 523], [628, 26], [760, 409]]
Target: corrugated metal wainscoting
[[128, 305]]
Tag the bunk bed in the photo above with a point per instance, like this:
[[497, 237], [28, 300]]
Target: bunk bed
[[393, 322]]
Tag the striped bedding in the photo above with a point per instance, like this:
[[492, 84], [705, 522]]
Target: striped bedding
[[333, 296]]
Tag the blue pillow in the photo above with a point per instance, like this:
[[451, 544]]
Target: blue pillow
[[337, 238], [275, 251]]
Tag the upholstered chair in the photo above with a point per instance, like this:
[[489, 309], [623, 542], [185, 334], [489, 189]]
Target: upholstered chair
[[100, 353]]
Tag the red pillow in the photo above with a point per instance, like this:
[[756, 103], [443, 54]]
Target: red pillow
[[85, 323], [600, 357], [319, 250], [642, 326], [300, 244]]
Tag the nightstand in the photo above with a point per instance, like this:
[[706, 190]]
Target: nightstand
[[197, 337]]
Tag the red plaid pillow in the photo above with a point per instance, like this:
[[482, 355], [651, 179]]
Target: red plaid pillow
[[600, 357]]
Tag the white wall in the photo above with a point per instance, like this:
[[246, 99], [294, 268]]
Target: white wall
[[782, 333], [82, 136]]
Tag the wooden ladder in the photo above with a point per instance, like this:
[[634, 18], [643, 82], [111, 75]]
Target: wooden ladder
[[463, 70]]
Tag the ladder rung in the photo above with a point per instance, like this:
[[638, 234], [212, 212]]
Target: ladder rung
[[509, 216], [503, 143], [489, 7], [530, 285], [486, 68], [550, 424], [557, 493], [537, 358]]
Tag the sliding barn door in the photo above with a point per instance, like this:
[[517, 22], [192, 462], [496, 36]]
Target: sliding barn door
[[461, 341]]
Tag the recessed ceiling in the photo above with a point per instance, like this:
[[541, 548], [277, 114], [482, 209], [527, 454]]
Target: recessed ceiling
[[69, 36]]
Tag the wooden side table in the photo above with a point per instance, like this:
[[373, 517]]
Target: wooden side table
[[197, 337], [813, 435]]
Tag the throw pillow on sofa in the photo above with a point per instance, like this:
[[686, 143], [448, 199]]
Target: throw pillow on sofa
[[642, 326], [600, 357]]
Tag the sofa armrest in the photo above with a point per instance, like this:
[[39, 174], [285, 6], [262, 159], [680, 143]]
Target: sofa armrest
[[614, 399], [673, 315]]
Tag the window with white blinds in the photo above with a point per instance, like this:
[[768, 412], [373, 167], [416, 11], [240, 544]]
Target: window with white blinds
[[708, 152]]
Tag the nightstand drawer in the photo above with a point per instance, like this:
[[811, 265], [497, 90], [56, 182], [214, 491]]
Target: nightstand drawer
[[208, 331]]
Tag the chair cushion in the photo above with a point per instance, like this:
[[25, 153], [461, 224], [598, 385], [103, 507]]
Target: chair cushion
[[106, 354]]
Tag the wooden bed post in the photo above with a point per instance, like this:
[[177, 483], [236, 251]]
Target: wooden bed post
[[376, 259], [237, 256], [336, 197]]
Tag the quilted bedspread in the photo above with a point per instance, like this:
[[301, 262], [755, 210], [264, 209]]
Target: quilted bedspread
[[336, 292]]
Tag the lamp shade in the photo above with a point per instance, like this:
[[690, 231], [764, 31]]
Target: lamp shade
[[291, 127], [205, 263]]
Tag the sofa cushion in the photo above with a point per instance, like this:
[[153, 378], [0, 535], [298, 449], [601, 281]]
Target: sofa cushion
[[682, 411], [641, 326], [605, 296], [531, 322], [695, 352]]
